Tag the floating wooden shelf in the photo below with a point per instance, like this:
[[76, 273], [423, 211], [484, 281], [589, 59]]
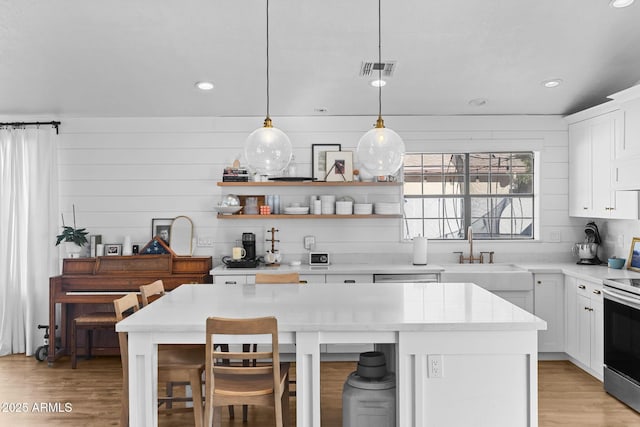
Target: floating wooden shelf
[[272, 216], [308, 184]]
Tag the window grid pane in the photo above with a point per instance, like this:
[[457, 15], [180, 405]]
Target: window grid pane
[[497, 186]]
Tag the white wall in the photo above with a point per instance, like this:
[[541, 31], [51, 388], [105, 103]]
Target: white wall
[[122, 172]]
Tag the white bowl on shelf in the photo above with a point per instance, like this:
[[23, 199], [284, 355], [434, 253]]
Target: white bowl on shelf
[[228, 210]]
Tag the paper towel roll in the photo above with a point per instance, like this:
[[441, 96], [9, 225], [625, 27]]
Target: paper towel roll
[[419, 250]]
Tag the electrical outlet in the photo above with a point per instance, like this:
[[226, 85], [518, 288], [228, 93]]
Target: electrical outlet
[[434, 362], [620, 241], [205, 242], [309, 242]]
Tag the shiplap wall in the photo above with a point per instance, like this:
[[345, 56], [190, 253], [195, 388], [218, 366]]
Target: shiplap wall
[[122, 172]]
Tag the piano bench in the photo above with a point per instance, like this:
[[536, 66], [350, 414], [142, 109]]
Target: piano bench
[[89, 322]]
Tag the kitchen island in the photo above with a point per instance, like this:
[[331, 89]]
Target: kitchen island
[[486, 346]]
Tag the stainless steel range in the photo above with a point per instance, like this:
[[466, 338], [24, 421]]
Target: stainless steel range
[[622, 340]]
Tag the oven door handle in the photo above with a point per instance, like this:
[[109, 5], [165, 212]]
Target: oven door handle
[[617, 296]]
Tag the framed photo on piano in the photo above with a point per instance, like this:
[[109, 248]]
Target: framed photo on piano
[[113, 249]]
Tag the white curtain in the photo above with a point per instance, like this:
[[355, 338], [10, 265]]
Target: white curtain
[[28, 226]]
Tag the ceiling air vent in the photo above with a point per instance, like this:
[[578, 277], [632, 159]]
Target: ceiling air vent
[[370, 68]]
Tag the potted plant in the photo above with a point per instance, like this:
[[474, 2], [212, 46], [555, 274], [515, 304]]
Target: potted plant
[[73, 237]]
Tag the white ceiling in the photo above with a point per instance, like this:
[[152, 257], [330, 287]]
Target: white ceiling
[[142, 57]]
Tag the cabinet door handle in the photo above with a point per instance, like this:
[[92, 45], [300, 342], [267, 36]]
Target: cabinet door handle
[[582, 287], [597, 292], [349, 281], [230, 282], [539, 282]]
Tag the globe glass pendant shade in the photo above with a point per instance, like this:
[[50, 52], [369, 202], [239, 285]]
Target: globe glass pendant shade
[[381, 151], [268, 150]]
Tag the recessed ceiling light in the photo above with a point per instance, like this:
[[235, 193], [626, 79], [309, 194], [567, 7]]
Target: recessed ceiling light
[[377, 83], [204, 85], [478, 102], [620, 3], [552, 83]]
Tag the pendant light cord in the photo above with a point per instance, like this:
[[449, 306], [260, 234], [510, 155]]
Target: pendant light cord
[[268, 116], [379, 60]]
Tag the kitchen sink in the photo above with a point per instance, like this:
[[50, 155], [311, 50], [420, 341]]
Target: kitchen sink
[[493, 277]]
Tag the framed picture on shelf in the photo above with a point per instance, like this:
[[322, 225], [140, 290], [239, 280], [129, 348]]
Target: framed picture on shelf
[[113, 249], [161, 227], [319, 159], [633, 262], [339, 166]]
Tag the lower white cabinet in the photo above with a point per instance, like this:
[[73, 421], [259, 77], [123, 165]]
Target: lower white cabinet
[[233, 279], [523, 299], [349, 278], [584, 331], [549, 306]]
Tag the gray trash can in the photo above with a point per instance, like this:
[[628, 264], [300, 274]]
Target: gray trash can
[[369, 402]]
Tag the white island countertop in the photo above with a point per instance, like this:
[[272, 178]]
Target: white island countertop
[[487, 345], [335, 307]]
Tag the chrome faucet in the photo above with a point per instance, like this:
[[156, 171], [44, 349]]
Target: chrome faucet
[[472, 258]]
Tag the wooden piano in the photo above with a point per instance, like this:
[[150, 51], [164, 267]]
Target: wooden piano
[[87, 283]]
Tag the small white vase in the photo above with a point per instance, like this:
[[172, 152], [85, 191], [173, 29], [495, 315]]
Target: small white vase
[[71, 250]]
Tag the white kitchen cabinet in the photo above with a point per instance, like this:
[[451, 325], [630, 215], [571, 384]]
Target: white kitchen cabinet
[[580, 183], [349, 278], [523, 299], [312, 278], [627, 156], [592, 173], [549, 305], [584, 324], [233, 279]]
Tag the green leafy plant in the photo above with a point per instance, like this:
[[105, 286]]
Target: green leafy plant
[[72, 234]]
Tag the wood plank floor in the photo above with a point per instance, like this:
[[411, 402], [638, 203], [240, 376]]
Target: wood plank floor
[[567, 396]]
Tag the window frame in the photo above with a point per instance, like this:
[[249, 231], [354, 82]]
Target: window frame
[[467, 196]]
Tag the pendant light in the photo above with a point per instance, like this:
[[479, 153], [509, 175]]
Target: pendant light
[[380, 151], [268, 149]]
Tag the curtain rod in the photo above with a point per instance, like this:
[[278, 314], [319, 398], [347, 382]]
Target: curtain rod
[[54, 124]]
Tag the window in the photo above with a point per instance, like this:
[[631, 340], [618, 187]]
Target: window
[[446, 192]]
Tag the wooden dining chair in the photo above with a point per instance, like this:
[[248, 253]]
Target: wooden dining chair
[[175, 365], [148, 294], [274, 279], [151, 292], [236, 383], [277, 278]]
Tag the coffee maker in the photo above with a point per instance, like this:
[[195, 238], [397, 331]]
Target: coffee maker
[[249, 245], [588, 250], [250, 260]]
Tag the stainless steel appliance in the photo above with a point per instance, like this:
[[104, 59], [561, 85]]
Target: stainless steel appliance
[[407, 278], [622, 340], [587, 251]]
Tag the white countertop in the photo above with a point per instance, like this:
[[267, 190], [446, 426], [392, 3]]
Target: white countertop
[[335, 307], [587, 272], [334, 269]]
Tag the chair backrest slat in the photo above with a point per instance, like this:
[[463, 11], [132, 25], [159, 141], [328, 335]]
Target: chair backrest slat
[[280, 278], [148, 292]]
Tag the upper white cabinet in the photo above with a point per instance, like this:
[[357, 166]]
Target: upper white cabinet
[[628, 153], [594, 144]]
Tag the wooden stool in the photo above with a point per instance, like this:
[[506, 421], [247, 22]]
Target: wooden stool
[[89, 321]]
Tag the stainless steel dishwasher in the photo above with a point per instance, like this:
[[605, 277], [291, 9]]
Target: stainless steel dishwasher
[[407, 278]]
